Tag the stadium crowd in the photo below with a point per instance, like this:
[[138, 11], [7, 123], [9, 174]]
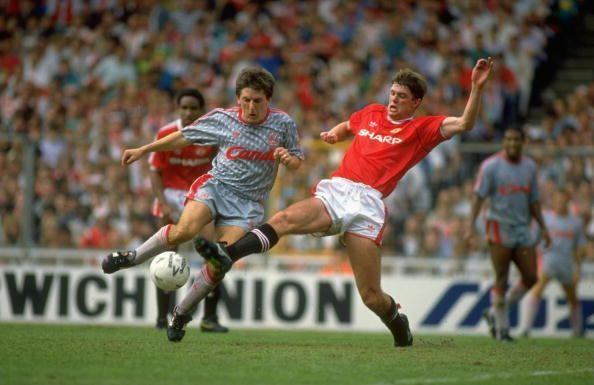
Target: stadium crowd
[[82, 80]]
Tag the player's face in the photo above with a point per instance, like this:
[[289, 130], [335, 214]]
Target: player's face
[[559, 202], [189, 110], [512, 144], [254, 105], [401, 103]]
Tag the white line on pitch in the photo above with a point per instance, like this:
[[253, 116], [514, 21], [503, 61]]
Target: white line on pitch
[[482, 377]]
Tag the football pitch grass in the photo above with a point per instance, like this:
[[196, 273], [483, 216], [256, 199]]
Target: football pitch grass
[[59, 354]]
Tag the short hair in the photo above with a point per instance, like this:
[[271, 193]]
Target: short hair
[[256, 78], [516, 129], [193, 92], [415, 82]]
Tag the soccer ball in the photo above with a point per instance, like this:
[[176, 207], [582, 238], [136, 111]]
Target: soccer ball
[[169, 271]]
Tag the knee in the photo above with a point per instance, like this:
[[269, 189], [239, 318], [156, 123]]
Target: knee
[[281, 222], [373, 299], [529, 281], [180, 233]]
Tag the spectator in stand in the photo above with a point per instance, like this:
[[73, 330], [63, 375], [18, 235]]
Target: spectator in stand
[[306, 33]]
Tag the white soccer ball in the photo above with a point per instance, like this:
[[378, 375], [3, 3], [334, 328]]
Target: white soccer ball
[[169, 271]]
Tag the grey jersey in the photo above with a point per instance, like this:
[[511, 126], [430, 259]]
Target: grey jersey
[[567, 235], [510, 188], [245, 162]]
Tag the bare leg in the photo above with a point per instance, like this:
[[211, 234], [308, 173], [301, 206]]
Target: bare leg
[[525, 259], [534, 300], [500, 258], [194, 217], [575, 309], [364, 256], [304, 217]]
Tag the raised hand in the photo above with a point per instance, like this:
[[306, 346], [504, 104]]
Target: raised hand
[[481, 71]]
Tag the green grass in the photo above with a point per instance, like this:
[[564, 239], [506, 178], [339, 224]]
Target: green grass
[[58, 354]]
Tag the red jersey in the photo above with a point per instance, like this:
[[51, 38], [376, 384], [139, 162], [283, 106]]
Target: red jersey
[[383, 149], [180, 168]]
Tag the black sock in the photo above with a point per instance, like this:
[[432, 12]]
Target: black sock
[[210, 304], [164, 303], [259, 240], [389, 316]]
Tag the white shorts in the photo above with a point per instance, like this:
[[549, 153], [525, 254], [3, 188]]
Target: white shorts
[[174, 198], [354, 208]]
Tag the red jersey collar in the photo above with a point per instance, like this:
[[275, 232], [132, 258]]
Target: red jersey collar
[[402, 121]]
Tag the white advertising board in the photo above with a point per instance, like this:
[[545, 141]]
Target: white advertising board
[[270, 299]]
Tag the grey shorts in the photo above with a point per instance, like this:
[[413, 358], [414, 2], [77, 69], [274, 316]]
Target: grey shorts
[[227, 208], [510, 236], [561, 270]]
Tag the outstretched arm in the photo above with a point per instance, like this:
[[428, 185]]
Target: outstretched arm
[[456, 125], [168, 143], [337, 134]]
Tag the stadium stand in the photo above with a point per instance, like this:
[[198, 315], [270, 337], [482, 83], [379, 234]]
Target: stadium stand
[[80, 81]]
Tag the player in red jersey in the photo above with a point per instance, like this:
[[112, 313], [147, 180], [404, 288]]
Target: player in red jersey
[[172, 174], [387, 142]]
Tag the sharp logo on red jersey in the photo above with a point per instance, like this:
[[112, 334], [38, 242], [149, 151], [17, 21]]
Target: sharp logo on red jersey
[[380, 138], [238, 152]]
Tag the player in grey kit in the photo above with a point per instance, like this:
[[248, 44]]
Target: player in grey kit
[[252, 140], [561, 261], [508, 180]]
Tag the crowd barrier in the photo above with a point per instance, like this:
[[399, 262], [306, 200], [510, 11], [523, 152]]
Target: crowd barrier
[[268, 297]]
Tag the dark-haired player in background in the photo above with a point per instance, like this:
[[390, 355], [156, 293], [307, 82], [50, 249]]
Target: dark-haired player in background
[[508, 180], [172, 174], [388, 140]]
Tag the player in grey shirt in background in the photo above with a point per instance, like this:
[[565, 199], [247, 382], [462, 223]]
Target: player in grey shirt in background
[[508, 180], [252, 140], [561, 261]]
